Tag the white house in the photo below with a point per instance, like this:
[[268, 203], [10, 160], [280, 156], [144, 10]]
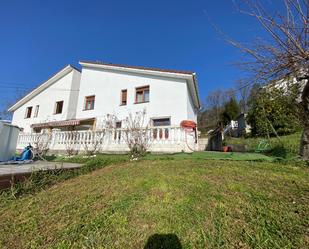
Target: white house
[[80, 100], [54, 100]]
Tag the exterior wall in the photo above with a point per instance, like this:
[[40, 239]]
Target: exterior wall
[[60, 90], [8, 140], [191, 110], [168, 97], [73, 99]]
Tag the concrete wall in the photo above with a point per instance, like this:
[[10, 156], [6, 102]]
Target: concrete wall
[[66, 89], [8, 141], [168, 97], [191, 110]]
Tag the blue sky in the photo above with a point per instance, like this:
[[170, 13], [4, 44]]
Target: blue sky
[[37, 38]]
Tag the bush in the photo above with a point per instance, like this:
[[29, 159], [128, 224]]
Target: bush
[[274, 111]]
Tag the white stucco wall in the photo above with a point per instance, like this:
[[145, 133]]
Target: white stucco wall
[[168, 96], [66, 89], [73, 99], [191, 110]]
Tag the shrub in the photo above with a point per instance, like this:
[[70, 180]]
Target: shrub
[[274, 111]]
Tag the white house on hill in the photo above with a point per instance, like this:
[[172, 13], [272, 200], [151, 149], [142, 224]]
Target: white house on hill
[[81, 99]]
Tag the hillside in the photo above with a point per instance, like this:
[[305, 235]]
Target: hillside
[[189, 202]]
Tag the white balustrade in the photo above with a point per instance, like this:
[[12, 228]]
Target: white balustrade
[[161, 139]]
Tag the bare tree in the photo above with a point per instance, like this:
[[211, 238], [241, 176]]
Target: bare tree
[[95, 139], [244, 93], [4, 113], [137, 134], [70, 146], [284, 52], [41, 143], [215, 101], [93, 142]]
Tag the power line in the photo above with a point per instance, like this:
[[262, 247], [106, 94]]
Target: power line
[[29, 89]]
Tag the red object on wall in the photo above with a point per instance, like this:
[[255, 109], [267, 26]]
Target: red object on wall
[[188, 124]]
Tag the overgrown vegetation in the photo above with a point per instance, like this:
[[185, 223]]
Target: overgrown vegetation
[[203, 204]]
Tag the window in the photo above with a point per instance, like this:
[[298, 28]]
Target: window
[[36, 111], [161, 122], [142, 94], [118, 124], [117, 134], [89, 102], [59, 107], [161, 133], [28, 112], [124, 94]]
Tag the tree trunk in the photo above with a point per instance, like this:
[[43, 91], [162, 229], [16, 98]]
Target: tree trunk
[[304, 143]]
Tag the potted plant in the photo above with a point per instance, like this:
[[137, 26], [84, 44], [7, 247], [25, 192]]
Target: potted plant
[[225, 148]]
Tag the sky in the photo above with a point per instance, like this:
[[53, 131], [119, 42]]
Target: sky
[[38, 38]]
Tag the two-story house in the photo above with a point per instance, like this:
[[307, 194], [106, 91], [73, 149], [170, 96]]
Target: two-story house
[[83, 98]]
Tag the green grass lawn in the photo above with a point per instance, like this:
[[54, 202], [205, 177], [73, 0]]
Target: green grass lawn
[[192, 202], [212, 155], [287, 147], [201, 155]]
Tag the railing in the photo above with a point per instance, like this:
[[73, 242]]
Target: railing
[[160, 139], [233, 125]]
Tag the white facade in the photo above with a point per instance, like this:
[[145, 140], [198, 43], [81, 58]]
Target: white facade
[[171, 95], [168, 97], [63, 86]]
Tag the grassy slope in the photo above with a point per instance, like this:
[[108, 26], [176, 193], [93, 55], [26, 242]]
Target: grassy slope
[[212, 204], [201, 155], [290, 143], [212, 155]]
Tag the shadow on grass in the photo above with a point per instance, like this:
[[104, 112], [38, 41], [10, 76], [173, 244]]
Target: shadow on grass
[[163, 241], [279, 151]]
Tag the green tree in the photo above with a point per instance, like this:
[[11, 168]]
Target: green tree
[[231, 111], [274, 111]]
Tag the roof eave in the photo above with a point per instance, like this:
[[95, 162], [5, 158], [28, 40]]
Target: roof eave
[[67, 69], [136, 70], [198, 104]]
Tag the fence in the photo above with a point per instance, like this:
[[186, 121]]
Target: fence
[[161, 139]]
